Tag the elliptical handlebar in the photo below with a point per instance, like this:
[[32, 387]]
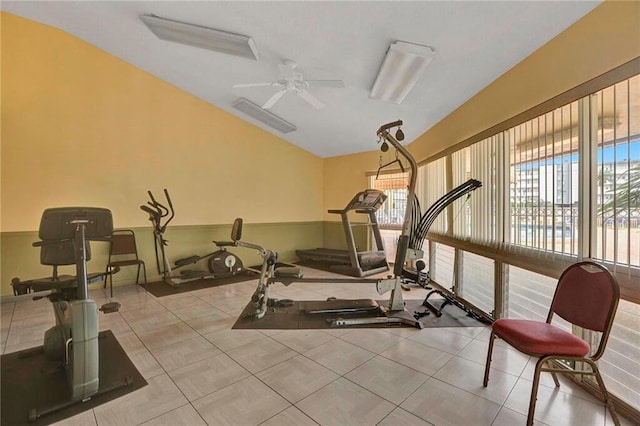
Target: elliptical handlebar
[[166, 195], [153, 213], [159, 211], [161, 208]]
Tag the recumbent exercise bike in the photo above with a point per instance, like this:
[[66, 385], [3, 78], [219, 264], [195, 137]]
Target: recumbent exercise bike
[[65, 233]]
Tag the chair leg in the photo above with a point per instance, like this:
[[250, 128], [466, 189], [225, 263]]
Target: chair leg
[[110, 284], [534, 391], [554, 375], [605, 394], [144, 272], [138, 274], [488, 364]]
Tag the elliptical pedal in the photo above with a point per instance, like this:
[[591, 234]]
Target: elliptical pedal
[[110, 307]]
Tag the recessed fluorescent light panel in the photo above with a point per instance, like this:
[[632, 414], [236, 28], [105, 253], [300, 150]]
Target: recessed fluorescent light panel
[[202, 37], [262, 115], [402, 67]]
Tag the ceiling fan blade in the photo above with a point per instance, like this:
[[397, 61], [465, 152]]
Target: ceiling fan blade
[[240, 86], [335, 84], [272, 100], [310, 98]]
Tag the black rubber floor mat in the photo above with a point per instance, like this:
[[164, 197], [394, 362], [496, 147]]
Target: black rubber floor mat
[[29, 381], [294, 317], [161, 289]]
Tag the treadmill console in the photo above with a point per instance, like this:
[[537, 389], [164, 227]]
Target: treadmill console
[[365, 201]]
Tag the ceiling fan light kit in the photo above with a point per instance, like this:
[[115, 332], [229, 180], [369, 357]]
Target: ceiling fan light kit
[[263, 115], [403, 65], [290, 80], [201, 36]]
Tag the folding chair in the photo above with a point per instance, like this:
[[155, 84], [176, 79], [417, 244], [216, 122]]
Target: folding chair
[[123, 247], [587, 296]]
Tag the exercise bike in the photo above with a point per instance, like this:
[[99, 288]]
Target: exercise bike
[[73, 342], [220, 263]]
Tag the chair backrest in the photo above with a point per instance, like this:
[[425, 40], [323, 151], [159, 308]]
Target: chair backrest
[[587, 295], [123, 242]]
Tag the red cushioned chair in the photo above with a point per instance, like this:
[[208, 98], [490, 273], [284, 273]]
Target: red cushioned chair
[[587, 296]]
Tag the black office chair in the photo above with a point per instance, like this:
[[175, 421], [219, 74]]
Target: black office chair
[[123, 247]]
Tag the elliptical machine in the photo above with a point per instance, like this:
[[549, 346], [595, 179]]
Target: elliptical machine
[[220, 263], [73, 341]]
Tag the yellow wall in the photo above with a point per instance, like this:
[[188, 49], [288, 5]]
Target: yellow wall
[[602, 40], [83, 128], [345, 176]]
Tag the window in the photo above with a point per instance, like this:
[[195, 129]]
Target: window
[[394, 185], [530, 296], [622, 357], [543, 186], [476, 218], [390, 215], [430, 185], [617, 110], [477, 288], [562, 186], [443, 272]]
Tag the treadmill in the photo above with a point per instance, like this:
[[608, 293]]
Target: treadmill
[[353, 262]]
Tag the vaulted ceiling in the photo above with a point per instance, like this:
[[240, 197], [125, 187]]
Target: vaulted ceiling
[[474, 43]]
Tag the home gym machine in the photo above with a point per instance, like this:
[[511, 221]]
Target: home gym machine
[[409, 254], [353, 262], [394, 312], [221, 263], [65, 233]]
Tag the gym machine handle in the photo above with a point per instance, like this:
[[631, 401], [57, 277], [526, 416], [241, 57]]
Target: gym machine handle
[[151, 212], [386, 127], [50, 242], [166, 194], [389, 164], [162, 209]]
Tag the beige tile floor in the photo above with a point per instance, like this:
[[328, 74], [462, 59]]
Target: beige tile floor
[[201, 372]]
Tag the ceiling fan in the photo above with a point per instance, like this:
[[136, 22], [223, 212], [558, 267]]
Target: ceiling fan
[[289, 80]]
